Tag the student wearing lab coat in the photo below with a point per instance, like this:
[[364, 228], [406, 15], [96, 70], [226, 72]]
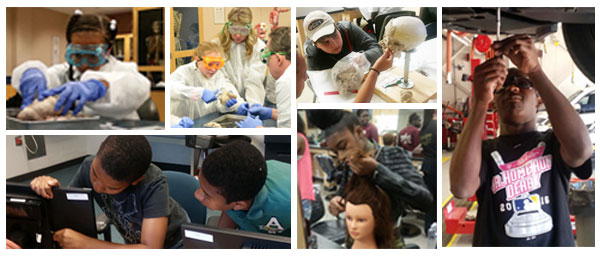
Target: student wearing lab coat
[[243, 66], [277, 56], [195, 86], [92, 77]]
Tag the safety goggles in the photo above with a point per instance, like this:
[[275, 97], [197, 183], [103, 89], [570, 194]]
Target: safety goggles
[[265, 53], [519, 81], [92, 55], [243, 30], [211, 62]]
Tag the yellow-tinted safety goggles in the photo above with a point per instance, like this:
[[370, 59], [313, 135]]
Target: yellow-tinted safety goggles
[[211, 62]]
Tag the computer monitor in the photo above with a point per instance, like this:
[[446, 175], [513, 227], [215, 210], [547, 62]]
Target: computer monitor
[[197, 236], [31, 220]]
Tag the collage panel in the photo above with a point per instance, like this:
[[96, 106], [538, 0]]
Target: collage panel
[[229, 67], [88, 68], [367, 178], [367, 54], [519, 127], [172, 192]]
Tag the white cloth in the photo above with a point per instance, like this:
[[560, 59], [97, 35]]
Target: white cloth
[[127, 91], [283, 90], [187, 85], [246, 74]]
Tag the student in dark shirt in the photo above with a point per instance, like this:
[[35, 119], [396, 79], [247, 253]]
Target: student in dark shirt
[[132, 192], [327, 41], [387, 166], [521, 178]]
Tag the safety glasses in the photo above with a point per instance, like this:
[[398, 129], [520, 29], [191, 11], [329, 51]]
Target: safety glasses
[[91, 55], [212, 62], [519, 81], [265, 53], [243, 30]]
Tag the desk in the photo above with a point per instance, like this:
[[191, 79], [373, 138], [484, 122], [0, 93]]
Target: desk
[[423, 73]]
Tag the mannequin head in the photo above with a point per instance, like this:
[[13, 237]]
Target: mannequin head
[[368, 213]]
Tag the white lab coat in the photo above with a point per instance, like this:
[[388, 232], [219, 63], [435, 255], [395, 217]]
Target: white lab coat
[[283, 87], [246, 75], [187, 86], [128, 89]]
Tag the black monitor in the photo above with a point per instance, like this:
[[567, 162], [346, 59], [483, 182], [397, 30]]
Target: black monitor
[[31, 220], [197, 236]]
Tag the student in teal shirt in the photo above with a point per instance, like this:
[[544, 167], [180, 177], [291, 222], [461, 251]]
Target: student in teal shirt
[[253, 194]]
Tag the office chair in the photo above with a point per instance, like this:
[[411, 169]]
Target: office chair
[[181, 188]]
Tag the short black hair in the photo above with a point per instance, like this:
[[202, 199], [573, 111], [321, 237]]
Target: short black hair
[[332, 121], [413, 116], [360, 111], [125, 158], [237, 169]]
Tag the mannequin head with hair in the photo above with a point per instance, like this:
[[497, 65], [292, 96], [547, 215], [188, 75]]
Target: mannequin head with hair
[[368, 214]]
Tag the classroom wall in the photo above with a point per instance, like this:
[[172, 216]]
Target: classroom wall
[[58, 150], [259, 14], [29, 33]]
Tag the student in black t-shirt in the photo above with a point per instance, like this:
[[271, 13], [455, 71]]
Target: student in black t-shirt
[[132, 192], [521, 178]]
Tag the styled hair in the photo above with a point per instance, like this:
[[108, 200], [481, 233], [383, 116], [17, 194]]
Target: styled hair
[[237, 169], [206, 47], [125, 158], [360, 190], [241, 15], [333, 120], [280, 41], [91, 22]]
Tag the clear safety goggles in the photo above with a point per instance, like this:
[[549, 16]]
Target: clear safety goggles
[[91, 55], [519, 81], [243, 30], [265, 53], [212, 62]]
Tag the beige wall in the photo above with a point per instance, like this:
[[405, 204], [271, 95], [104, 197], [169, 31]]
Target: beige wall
[[29, 33], [259, 14]]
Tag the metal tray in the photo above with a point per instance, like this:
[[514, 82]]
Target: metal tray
[[228, 120], [80, 123]]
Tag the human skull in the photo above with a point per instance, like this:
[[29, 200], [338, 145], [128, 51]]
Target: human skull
[[403, 33]]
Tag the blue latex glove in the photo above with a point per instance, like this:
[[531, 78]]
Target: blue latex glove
[[231, 102], [209, 96], [80, 91], [243, 109], [185, 122], [264, 113], [32, 81], [249, 122]]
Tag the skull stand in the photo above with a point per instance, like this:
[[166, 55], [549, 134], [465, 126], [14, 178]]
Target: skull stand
[[405, 82]]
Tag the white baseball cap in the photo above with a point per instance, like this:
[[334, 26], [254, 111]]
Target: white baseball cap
[[318, 24]]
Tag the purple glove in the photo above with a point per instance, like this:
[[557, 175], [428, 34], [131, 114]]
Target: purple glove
[[209, 96], [231, 102], [32, 82], [80, 91], [264, 113], [249, 122], [185, 122], [243, 109]]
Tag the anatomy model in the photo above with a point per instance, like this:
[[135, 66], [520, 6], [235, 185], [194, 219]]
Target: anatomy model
[[274, 16], [368, 214], [403, 34]]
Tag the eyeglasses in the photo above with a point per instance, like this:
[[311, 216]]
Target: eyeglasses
[[212, 62], [519, 81], [92, 55], [265, 53], [243, 30]]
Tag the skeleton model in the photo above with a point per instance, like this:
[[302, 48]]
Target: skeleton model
[[403, 33]]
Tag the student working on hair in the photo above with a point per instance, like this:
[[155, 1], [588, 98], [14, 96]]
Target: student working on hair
[[91, 77]]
